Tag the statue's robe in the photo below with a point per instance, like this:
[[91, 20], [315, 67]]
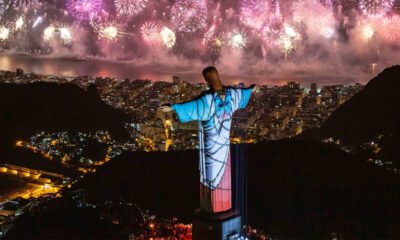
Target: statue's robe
[[215, 117]]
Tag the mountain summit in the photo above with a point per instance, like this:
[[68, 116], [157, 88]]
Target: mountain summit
[[368, 123], [372, 112]]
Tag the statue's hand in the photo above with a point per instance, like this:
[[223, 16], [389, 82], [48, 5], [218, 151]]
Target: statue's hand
[[254, 88], [166, 108]]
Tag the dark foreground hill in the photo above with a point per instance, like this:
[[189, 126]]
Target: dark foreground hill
[[297, 189], [28, 108], [373, 114], [60, 218]]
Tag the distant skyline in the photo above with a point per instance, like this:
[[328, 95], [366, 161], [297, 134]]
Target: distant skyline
[[71, 67]]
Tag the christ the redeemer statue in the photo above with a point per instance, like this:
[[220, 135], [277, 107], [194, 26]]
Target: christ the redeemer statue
[[213, 110]]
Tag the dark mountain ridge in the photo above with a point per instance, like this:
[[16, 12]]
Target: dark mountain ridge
[[28, 108], [368, 123], [372, 112]]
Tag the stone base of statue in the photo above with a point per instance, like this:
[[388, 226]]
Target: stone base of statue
[[219, 226]]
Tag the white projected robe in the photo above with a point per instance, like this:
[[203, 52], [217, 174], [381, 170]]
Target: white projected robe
[[215, 117]]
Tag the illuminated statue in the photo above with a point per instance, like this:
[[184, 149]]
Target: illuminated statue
[[213, 110]]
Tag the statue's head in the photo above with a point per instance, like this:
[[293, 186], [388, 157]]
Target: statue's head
[[211, 76]]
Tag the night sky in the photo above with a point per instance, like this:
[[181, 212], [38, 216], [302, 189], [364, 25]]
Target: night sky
[[327, 41]]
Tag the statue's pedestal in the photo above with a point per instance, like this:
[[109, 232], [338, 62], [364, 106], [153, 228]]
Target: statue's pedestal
[[220, 226]]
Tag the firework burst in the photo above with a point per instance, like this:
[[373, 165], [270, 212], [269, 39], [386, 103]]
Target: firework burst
[[150, 31], [110, 32], [237, 40], [189, 15], [217, 42], [287, 45], [65, 35], [106, 30], [289, 39], [4, 33], [83, 9], [271, 33], [214, 40], [254, 13], [48, 33], [209, 35], [130, 7], [19, 23], [59, 31], [391, 29], [367, 33], [291, 32], [168, 37], [376, 7]]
